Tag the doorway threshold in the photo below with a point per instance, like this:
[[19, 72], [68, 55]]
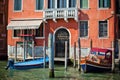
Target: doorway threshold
[[59, 59]]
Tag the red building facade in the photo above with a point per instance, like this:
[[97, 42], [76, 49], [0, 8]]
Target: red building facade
[[3, 31], [67, 20]]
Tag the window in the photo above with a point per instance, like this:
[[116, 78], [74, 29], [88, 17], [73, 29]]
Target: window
[[61, 3], [51, 4], [40, 31], [84, 4], [17, 5], [83, 28], [28, 31], [103, 30], [39, 4], [72, 3], [16, 33], [104, 3], [1, 18], [117, 6]]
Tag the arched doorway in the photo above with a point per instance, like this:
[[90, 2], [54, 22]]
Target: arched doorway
[[61, 36]]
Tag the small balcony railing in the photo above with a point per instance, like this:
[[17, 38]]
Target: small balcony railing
[[62, 13]]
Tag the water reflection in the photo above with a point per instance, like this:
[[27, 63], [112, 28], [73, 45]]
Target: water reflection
[[60, 74]]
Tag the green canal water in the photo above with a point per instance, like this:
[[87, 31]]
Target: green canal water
[[60, 74]]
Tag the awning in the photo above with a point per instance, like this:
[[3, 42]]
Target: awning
[[101, 50], [24, 24]]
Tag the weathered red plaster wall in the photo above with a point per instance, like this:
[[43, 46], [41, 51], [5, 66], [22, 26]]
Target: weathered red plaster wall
[[71, 26], [93, 15], [28, 11]]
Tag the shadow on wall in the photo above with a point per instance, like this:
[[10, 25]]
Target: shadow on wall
[[82, 15]]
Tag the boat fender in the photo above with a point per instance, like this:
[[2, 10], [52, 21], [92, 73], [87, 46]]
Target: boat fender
[[10, 64]]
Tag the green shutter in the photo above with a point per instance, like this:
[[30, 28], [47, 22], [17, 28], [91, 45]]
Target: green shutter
[[84, 4], [101, 3], [39, 4], [17, 5], [81, 4], [53, 3], [36, 4], [108, 3]]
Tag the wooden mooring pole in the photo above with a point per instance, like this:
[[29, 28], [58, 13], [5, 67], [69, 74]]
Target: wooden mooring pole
[[119, 53], [16, 52], [44, 54], [91, 44], [51, 56], [74, 65], [79, 55], [24, 56], [33, 50], [113, 58], [65, 55]]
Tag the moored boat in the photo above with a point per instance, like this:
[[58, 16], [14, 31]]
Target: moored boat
[[37, 63], [98, 60]]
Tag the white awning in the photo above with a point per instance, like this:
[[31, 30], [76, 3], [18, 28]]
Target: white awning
[[24, 24]]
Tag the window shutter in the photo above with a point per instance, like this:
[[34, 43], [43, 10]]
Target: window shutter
[[108, 3], [41, 4], [17, 4], [53, 3], [36, 4], [85, 3], [63, 4], [72, 3], [101, 3], [81, 2], [49, 3]]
